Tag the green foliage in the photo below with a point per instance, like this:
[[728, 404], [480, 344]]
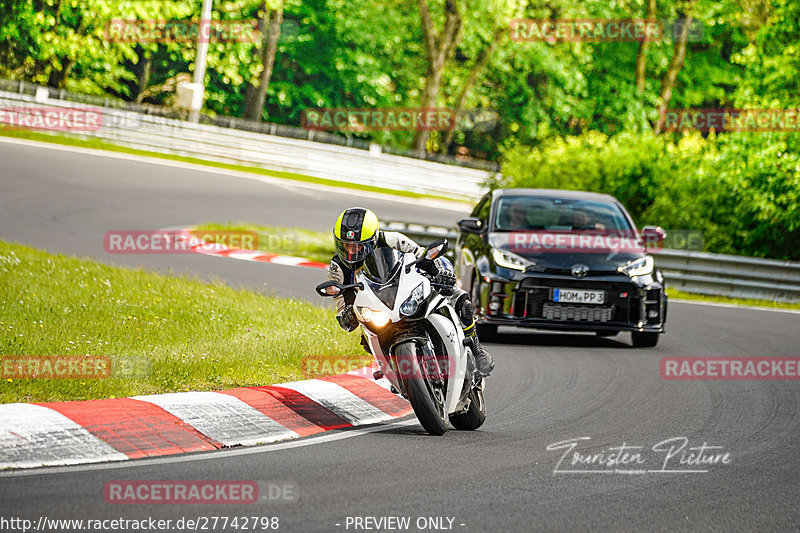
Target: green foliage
[[741, 190]]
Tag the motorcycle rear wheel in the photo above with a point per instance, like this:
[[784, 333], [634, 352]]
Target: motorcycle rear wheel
[[475, 415]]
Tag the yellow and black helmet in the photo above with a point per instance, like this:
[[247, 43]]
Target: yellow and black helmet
[[355, 234]]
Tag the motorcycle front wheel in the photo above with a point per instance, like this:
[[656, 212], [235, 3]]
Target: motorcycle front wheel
[[426, 398]]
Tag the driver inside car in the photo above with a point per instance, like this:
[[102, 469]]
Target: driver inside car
[[356, 235]]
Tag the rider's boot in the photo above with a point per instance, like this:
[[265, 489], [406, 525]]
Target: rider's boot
[[460, 300], [484, 362]]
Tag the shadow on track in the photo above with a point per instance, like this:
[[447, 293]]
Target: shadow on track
[[559, 339]]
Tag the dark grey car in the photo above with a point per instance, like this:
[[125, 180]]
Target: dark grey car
[[562, 260]]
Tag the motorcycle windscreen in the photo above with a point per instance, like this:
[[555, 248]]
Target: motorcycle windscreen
[[382, 268]]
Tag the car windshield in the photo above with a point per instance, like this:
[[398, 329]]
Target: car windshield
[[527, 213]]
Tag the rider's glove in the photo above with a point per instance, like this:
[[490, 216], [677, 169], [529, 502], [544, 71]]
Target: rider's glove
[[347, 318], [445, 282]]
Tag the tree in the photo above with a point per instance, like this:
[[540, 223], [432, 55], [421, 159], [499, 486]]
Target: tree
[[439, 45], [641, 57], [257, 92], [675, 66]]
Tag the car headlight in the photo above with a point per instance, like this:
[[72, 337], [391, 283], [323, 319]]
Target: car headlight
[[506, 259], [411, 305], [379, 318], [638, 267]]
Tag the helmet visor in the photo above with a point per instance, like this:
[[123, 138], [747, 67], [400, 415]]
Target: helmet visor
[[354, 251]]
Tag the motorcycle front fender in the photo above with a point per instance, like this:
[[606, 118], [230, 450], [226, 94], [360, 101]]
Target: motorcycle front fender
[[453, 339]]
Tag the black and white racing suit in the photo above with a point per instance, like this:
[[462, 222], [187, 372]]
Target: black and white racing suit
[[458, 298]]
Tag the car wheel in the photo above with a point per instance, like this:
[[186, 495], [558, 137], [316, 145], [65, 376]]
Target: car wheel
[[642, 339], [474, 292], [486, 332]]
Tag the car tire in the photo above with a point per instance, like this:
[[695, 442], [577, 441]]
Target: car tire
[[486, 332], [644, 339]]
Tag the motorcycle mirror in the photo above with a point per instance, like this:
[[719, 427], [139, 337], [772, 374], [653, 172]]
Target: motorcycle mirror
[[436, 249], [329, 288]]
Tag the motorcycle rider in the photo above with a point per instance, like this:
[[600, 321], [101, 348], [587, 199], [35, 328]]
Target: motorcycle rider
[[356, 234]]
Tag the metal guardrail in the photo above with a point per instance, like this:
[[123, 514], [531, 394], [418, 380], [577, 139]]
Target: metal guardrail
[[688, 271], [730, 275], [255, 126], [270, 146]]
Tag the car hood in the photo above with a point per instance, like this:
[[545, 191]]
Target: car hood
[[551, 252]]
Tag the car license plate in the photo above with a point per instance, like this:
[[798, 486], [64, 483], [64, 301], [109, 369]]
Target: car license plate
[[579, 296]]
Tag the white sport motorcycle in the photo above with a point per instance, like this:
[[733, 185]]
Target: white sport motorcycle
[[416, 338]]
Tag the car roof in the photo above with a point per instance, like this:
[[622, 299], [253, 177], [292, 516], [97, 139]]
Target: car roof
[[557, 193]]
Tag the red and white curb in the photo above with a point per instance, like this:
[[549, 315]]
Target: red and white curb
[[118, 429], [254, 255], [243, 254]]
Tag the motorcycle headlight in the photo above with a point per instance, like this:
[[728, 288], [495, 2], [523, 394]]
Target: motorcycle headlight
[[506, 259], [411, 305], [638, 267], [379, 318]]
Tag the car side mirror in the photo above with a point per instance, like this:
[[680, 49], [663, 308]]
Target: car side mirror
[[653, 236], [471, 225]]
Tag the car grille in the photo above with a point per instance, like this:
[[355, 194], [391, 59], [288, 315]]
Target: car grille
[[533, 301], [577, 312]]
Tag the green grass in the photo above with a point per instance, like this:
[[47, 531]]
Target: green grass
[[162, 333], [314, 245], [102, 145], [680, 295]]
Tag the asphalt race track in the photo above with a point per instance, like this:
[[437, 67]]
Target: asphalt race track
[[547, 388]]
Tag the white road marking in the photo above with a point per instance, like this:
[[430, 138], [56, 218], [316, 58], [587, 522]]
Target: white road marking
[[33, 435], [331, 436], [288, 260], [286, 184], [222, 417], [735, 306], [339, 400], [246, 256]]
